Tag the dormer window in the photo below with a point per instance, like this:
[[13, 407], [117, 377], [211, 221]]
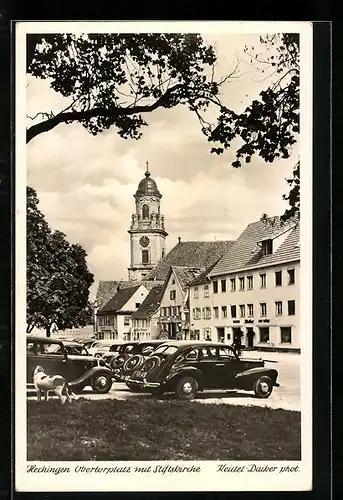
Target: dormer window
[[267, 247]]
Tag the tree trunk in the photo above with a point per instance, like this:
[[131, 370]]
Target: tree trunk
[[48, 330]]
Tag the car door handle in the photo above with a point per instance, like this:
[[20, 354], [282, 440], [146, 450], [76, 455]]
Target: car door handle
[[220, 364]]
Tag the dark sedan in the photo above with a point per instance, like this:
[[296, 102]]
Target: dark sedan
[[186, 368]]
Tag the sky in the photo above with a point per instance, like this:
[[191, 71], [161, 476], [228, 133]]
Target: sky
[[86, 183]]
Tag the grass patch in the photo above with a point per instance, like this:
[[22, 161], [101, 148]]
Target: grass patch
[[159, 430]]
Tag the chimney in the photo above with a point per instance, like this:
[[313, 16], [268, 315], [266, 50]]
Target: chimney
[[179, 238]]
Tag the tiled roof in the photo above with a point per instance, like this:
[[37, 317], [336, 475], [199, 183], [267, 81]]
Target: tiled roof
[[186, 274], [150, 304], [200, 254], [245, 253], [107, 289], [119, 299], [203, 278]]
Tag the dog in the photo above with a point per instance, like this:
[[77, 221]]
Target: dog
[[57, 384]]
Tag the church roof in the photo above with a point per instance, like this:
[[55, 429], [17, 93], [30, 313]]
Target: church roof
[[107, 289], [148, 186], [245, 253], [197, 254], [120, 298], [150, 304]]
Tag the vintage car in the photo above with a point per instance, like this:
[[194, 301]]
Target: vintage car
[[118, 349], [186, 368], [79, 370], [99, 347], [129, 361]]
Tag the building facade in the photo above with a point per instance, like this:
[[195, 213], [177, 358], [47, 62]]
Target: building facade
[[147, 231], [113, 320], [145, 321], [252, 292]]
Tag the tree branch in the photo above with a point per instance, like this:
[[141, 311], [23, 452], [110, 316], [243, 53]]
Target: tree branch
[[72, 116]]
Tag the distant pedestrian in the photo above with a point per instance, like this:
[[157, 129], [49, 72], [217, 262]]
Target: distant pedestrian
[[222, 339], [208, 338]]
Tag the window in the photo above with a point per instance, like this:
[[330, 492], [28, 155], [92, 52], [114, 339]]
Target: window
[[207, 333], [162, 254], [291, 307], [145, 212], [242, 310], [172, 294], [223, 285], [137, 304], [267, 247], [233, 312], [224, 352], [206, 291], [263, 278], [286, 334], [278, 278], [173, 310], [168, 311], [263, 309], [224, 311], [206, 313], [197, 313], [197, 334], [126, 321], [173, 282], [215, 287], [241, 283], [216, 312], [250, 310], [178, 310], [250, 282], [278, 308], [291, 276], [145, 256], [196, 292], [264, 334], [233, 284]]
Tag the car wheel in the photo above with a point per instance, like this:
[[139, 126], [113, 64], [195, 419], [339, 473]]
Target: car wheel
[[263, 387], [187, 388], [119, 361], [102, 383], [151, 364], [133, 363]]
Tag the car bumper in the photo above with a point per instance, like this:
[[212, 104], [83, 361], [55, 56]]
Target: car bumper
[[143, 383]]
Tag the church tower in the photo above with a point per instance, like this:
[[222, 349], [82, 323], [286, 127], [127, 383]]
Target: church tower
[[147, 233]]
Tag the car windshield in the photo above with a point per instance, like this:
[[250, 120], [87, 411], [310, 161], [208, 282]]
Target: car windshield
[[167, 350], [79, 350]]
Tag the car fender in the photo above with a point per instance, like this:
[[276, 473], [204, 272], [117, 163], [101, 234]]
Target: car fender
[[253, 373], [89, 374], [184, 371]]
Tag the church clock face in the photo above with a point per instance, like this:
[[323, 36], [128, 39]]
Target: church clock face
[[144, 241]]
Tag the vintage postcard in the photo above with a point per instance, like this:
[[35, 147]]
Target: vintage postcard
[[163, 278]]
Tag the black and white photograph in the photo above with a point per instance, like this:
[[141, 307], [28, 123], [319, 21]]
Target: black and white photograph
[[163, 278]]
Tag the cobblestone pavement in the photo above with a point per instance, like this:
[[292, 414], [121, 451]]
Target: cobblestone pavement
[[287, 396]]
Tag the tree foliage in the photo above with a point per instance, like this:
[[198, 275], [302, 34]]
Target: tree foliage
[[58, 279], [117, 79]]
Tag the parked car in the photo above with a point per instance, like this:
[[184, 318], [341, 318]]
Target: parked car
[[78, 369], [99, 347], [71, 347], [129, 361], [117, 349], [185, 369]]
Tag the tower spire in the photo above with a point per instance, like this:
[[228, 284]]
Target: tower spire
[[147, 168]]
